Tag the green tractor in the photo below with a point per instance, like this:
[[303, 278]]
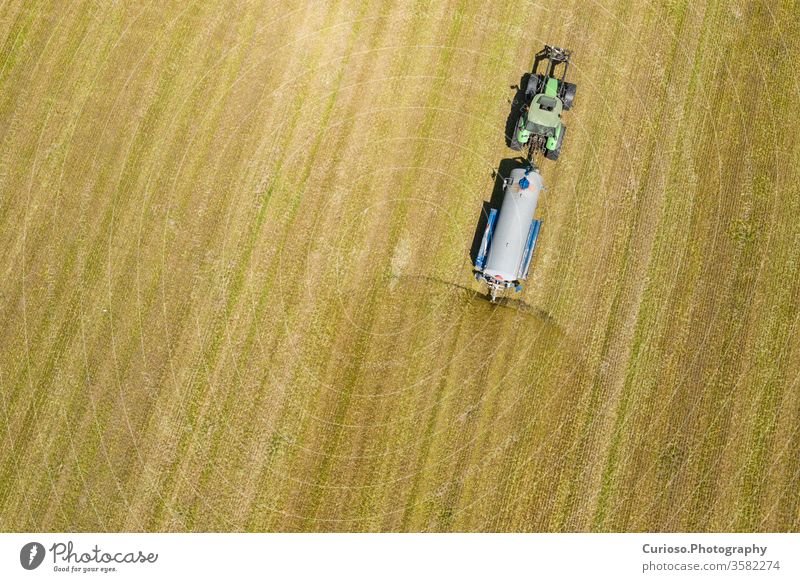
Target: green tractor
[[546, 96]]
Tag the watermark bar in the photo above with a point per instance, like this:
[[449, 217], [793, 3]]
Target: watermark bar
[[371, 557]]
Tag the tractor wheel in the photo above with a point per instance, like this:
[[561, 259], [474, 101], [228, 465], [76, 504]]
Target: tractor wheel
[[534, 83], [553, 154], [569, 94]]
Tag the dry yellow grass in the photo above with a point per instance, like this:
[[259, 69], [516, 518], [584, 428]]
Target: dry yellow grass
[[222, 226]]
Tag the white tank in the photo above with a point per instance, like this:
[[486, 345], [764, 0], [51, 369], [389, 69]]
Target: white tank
[[505, 258]]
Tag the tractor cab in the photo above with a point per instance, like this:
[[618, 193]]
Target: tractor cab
[[543, 115]]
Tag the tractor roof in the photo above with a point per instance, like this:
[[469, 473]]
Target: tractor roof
[[545, 111]]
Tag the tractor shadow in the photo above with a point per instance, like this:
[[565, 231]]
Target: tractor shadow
[[503, 171], [516, 107]]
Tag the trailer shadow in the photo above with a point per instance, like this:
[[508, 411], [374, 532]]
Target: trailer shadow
[[496, 199]]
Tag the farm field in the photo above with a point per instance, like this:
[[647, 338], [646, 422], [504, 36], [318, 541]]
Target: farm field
[[236, 289]]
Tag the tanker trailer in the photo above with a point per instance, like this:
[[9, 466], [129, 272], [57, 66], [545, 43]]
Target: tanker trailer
[[506, 250]]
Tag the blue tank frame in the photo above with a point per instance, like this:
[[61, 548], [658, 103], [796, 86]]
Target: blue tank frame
[[530, 245], [480, 260]]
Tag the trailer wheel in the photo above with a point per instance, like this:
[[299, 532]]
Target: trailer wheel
[[569, 95]]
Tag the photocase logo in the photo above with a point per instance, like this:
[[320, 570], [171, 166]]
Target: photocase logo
[[31, 555], [67, 558]]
